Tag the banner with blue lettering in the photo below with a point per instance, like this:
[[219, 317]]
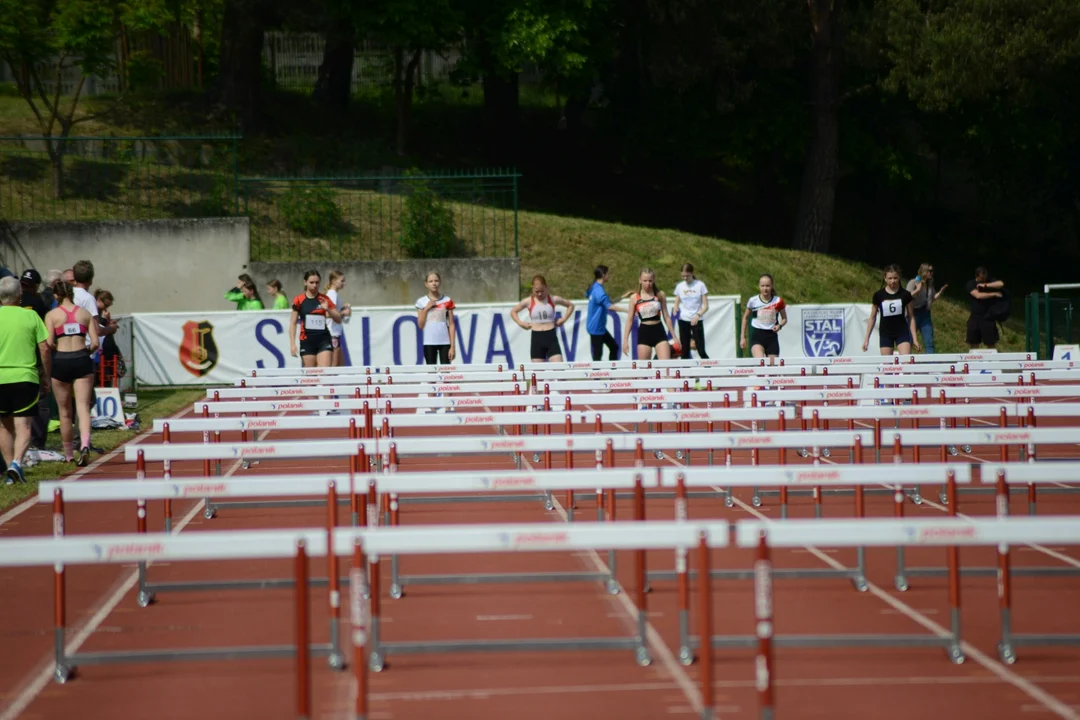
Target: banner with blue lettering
[[827, 331], [217, 347]]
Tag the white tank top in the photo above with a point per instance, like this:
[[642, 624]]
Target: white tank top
[[542, 312]]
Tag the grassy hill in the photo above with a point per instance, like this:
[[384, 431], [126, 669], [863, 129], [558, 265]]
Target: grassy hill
[[565, 250]]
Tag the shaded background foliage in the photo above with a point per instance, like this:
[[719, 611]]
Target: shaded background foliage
[[949, 130]]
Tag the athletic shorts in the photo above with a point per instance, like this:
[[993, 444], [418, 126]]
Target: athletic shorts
[[19, 399], [67, 367], [893, 339], [981, 331], [545, 343], [651, 335], [769, 340], [436, 354], [315, 345]]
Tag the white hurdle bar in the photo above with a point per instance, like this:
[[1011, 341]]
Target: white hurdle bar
[[947, 533]]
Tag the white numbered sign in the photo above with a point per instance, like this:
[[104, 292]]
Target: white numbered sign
[[892, 308]]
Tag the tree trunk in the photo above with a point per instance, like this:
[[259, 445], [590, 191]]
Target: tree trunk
[[813, 226], [404, 82], [334, 84], [501, 110], [56, 163], [239, 82]]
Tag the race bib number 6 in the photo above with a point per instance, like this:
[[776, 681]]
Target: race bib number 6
[[892, 308]]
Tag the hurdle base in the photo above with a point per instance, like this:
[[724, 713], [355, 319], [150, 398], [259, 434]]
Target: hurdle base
[[829, 641], [220, 585], [790, 573], [1038, 571], [71, 662], [497, 578]]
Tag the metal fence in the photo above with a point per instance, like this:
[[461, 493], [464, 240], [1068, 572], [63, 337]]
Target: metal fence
[[388, 217], [293, 60], [1051, 321], [117, 178]]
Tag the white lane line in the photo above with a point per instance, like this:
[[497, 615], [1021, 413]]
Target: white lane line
[[503, 618], [32, 501], [46, 668]]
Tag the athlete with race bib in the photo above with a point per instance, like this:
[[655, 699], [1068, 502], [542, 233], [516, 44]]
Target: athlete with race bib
[[650, 306], [310, 309], [897, 318], [542, 321], [767, 314]]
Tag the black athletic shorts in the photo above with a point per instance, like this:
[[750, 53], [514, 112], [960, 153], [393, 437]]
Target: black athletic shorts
[[436, 354], [545, 343], [651, 335], [318, 344], [19, 399], [981, 331], [769, 340], [891, 340], [67, 367]]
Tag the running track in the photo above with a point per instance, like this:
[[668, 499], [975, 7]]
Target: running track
[[833, 683]]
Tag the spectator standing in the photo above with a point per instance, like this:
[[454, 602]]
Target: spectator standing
[[923, 295], [691, 302], [51, 278], [985, 292], [23, 340], [31, 298], [274, 289]]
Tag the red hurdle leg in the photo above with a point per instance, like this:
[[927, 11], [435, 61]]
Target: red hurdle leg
[[62, 671], [568, 430], [166, 437], [705, 623], [953, 552], [763, 612], [336, 659], [1005, 646], [303, 635], [641, 586], [609, 461], [682, 576], [358, 593]]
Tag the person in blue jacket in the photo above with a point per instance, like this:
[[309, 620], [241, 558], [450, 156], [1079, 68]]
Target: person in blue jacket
[[596, 320]]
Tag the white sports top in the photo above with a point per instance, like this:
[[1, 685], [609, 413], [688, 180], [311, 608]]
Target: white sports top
[[542, 312], [437, 327], [333, 327], [690, 295]]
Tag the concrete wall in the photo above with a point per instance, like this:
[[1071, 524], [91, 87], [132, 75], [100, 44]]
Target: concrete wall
[[401, 283], [148, 265]]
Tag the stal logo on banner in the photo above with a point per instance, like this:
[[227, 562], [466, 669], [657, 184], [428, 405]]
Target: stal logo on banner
[[198, 351], [823, 332]]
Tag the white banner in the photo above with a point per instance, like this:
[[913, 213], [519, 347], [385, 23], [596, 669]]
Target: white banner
[[216, 347]]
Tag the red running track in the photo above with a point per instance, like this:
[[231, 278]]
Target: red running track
[[833, 683]]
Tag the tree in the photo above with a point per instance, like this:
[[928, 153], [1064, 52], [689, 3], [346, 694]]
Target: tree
[[238, 87], [817, 199], [410, 27], [42, 39]]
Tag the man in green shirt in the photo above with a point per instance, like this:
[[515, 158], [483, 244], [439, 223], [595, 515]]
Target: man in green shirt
[[22, 337]]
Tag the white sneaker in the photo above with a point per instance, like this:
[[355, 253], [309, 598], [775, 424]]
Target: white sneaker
[[31, 458]]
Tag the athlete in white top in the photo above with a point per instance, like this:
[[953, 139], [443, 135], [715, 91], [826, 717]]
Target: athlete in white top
[[334, 284], [767, 314], [543, 320], [691, 304], [435, 315]]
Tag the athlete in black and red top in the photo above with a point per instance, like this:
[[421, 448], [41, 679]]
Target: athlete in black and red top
[[311, 308]]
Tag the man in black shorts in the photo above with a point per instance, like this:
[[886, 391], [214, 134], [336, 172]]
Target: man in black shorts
[[984, 291], [22, 339]]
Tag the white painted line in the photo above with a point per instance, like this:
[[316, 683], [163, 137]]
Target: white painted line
[[47, 666], [503, 618], [32, 501], [923, 611]]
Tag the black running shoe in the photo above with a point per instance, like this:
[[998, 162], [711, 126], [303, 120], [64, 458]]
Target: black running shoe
[[84, 457]]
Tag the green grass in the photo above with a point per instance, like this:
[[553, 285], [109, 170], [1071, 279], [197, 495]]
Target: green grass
[[565, 250], [157, 403]]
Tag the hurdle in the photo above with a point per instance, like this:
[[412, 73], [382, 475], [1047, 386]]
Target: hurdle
[[860, 476], [529, 538], [59, 552], [947, 533], [508, 485], [1030, 473]]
